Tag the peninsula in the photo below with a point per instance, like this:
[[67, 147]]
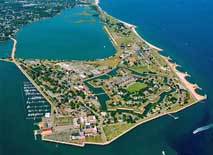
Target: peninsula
[[97, 101]]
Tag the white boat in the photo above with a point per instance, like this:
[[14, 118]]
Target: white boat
[[163, 152], [203, 128]]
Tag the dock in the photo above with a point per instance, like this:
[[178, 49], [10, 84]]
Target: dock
[[36, 132], [174, 117]]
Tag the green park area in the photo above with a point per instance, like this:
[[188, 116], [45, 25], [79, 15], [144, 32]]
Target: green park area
[[113, 130], [140, 68], [63, 120], [136, 86]]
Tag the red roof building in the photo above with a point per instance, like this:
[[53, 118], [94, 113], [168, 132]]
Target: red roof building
[[46, 131]]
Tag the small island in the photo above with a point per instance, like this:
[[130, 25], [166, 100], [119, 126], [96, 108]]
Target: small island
[[96, 102]]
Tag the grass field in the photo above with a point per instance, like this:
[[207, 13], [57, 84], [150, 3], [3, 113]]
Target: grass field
[[63, 120], [137, 86], [114, 130], [95, 139], [85, 21], [140, 68], [85, 13]]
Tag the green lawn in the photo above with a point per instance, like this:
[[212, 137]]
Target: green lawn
[[85, 13], [95, 139], [63, 120], [114, 130], [140, 68], [137, 86], [85, 21]]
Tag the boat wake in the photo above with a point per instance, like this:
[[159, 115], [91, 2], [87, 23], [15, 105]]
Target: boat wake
[[203, 128], [163, 152]]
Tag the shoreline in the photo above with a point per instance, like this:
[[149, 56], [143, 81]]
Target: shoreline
[[13, 49], [181, 76], [110, 36], [25, 73], [128, 25], [191, 87], [143, 40], [122, 134]]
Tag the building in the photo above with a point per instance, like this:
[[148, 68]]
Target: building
[[83, 119], [46, 131], [123, 81], [65, 66], [75, 123], [90, 131], [91, 119], [77, 136]]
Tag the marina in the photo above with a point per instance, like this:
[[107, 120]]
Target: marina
[[36, 106]]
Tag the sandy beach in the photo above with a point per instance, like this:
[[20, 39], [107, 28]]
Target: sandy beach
[[182, 76], [133, 27], [191, 87], [150, 45]]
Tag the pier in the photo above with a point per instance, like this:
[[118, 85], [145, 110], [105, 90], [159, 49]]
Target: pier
[[174, 117], [36, 132]]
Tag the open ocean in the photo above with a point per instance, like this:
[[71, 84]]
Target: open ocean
[[184, 30]]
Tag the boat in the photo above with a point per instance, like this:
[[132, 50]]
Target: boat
[[163, 152], [203, 128]]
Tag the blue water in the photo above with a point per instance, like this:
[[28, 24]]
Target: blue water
[[61, 37], [184, 30], [5, 49], [203, 128]]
